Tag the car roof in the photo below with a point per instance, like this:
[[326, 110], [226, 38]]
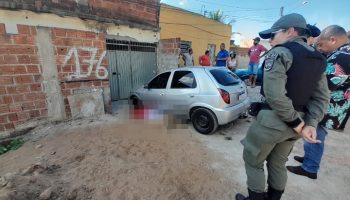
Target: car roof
[[195, 68]]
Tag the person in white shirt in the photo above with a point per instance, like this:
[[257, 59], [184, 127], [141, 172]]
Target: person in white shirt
[[188, 57], [232, 62]]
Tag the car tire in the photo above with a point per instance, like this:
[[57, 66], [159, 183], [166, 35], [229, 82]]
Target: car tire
[[204, 121], [135, 102]]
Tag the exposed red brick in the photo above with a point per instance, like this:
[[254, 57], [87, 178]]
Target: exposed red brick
[[9, 126], [10, 59], [2, 127], [23, 116], [61, 50], [23, 59], [34, 113], [6, 80], [66, 92], [12, 117], [15, 107], [2, 90], [87, 43], [11, 90], [73, 85], [71, 33], [6, 99], [36, 87], [28, 50], [28, 105], [20, 69], [40, 104], [6, 39], [24, 79], [38, 78], [59, 32], [33, 69], [23, 39], [4, 109], [18, 98], [22, 88], [33, 30], [34, 60], [3, 119], [22, 29], [6, 70], [2, 28]]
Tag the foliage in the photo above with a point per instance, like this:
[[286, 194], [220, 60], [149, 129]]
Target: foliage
[[13, 145], [217, 16]]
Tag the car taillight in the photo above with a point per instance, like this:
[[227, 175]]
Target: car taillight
[[225, 95]]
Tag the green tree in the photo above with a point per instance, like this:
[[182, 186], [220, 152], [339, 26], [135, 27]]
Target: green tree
[[217, 16]]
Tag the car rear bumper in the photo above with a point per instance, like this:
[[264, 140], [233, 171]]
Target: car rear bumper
[[227, 115]]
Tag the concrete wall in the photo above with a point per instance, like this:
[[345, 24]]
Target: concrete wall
[[200, 30], [168, 54]]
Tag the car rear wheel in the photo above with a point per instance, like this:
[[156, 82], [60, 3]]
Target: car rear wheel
[[204, 121], [136, 102]]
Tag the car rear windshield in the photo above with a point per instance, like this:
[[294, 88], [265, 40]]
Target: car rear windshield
[[224, 77]]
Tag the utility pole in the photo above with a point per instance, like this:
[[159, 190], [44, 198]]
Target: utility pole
[[281, 11]]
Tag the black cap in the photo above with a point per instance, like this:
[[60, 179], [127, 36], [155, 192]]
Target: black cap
[[257, 39], [314, 31], [285, 22]]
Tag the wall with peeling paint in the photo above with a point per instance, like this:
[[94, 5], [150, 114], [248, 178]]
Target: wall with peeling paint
[[49, 63]]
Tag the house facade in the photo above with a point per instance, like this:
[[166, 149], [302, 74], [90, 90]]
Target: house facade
[[64, 59], [194, 30]]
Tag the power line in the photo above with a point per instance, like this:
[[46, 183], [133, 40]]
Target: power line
[[243, 9]]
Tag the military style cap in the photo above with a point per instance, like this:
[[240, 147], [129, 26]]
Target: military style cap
[[285, 22]]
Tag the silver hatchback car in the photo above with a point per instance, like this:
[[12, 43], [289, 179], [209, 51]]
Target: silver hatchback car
[[208, 96]]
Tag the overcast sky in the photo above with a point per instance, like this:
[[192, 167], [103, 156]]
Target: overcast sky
[[251, 16]]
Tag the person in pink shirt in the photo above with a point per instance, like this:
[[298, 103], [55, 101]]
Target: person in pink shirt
[[254, 58]]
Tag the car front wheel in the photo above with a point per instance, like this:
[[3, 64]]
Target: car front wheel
[[204, 121]]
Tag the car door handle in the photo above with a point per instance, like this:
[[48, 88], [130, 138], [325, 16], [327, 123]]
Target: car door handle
[[191, 95], [161, 94]]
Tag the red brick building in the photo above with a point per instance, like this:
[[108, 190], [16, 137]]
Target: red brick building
[[54, 57]]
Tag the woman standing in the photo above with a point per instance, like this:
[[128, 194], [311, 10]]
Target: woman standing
[[232, 62]]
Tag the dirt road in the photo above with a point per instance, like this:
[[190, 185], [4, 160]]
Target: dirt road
[[108, 158]]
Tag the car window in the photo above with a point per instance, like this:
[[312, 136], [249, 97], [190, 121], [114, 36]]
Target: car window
[[224, 77], [160, 81], [183, 79]]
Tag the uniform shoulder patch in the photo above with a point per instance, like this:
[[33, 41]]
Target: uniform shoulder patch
[[270, 60]]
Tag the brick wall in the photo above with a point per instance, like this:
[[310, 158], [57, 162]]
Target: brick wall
[[81, 63], [80, 51], [139, 13], [21, 90], [168, 54]]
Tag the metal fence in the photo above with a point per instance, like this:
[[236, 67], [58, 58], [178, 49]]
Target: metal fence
[[131, 65]]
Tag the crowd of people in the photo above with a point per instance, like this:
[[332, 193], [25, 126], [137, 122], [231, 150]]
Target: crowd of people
[[306, 91]]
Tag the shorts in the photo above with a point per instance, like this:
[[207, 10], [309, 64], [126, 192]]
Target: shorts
[[253, 68]]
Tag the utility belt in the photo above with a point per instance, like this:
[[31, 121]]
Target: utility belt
[[256, 107]]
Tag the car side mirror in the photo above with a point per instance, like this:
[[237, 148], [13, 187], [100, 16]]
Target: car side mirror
[[145, 86]]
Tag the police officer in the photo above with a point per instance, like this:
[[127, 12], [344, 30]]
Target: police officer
[[296, 96]]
